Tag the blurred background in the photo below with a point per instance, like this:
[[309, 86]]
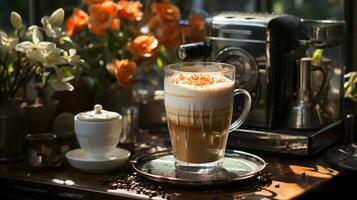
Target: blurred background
[[322, 9], [308, 9]]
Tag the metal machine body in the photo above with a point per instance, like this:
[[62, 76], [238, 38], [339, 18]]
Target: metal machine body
[[266, 50]]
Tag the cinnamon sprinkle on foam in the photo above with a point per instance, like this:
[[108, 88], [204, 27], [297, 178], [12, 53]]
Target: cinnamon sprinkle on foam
[[198, 79]]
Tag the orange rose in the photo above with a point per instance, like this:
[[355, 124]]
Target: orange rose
[[164, 23], [123, 70], [130, 10], [89, 2], [169, 35], [102, 17], [153, 23], [76, 22], [144, 46], [166, 13]]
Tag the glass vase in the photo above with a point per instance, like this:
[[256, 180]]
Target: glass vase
[[12, 131]]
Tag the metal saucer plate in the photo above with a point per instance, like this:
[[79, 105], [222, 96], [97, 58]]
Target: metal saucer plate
[[160, 166]]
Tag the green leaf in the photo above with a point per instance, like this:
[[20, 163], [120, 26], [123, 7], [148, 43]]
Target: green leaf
[[159, 63]]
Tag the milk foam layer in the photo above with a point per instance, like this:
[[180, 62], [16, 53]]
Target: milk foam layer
[[198, 91]]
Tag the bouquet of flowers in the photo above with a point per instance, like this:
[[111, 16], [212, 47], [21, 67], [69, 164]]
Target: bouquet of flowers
[[122, 38], [41, 55]]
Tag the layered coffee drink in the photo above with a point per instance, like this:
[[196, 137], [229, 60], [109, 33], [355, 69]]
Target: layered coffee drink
[[199, 106]]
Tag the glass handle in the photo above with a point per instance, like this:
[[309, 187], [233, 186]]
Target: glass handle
[[247, 104]]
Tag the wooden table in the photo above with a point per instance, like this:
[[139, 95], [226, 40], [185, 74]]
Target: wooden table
[[291, 177]]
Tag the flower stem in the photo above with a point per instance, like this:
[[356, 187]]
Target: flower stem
[[24, 78]]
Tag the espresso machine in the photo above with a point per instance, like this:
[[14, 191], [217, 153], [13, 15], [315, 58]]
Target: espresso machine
[[293, 69]]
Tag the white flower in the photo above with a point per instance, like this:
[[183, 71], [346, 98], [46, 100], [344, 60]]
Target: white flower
[[56, 18], [36, 55], [39, 50], [71, 57], [59, 85], [7, 44], [16, 20], [33, 49], [30, 30], [60, 82], [37, 36], [49, 30], [52, 24], [66, 39], [53, 58]]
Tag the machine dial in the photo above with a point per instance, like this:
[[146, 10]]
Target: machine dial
[[246, 69]]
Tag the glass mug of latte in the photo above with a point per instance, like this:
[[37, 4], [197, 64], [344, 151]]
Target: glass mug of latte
[[199, 106]]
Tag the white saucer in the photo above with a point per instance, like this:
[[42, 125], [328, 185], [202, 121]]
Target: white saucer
[[79, 159]]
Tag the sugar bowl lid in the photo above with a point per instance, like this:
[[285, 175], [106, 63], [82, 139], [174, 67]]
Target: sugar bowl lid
[[97, 115]]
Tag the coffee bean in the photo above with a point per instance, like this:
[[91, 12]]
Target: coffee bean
[[153, 193], [113, 186], [128, 180], [257, 188], [303, 174], [163, 194]]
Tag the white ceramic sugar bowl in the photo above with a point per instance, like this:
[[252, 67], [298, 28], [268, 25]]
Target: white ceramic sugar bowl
[[98, 131]]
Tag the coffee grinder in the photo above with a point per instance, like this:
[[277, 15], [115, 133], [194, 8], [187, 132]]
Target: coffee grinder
[[293, 69]]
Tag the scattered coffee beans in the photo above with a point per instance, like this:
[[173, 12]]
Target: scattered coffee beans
[[131, 181]]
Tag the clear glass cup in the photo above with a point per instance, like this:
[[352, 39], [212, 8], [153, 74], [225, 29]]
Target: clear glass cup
[[199, 106], [42, 150]]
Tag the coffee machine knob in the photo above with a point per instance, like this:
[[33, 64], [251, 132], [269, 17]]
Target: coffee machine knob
[[192, 51], [247, 72], [181, 53]]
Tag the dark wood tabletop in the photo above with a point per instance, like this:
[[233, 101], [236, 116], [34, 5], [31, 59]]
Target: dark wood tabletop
[[291, 177]]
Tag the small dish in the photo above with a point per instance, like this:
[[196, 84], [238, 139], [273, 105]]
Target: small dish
[[160, 166], [79, 159]]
